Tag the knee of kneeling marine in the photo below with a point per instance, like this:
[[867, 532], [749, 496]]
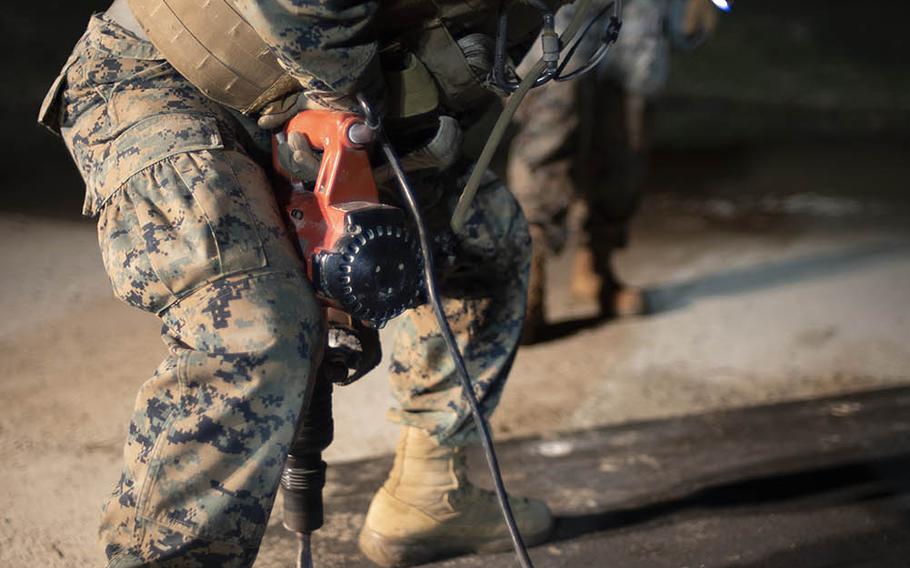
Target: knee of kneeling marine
[[496, 230], [261, 320]]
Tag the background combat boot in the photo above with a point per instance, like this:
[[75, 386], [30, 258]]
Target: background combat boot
[[593, 279], [428, 510], [585, 280], [535, 314]]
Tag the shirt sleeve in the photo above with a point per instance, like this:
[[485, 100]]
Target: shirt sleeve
[[327, 45]]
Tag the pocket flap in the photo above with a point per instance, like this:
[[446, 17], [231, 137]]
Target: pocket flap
[[147, 142], [50, 115]]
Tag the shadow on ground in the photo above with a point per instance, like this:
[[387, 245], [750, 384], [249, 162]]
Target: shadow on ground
[[769, 275], [820, 483], [738, 281], [803, 491]]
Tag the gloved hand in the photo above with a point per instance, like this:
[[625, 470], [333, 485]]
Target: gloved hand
[[441, 152], [294, 155], [275, 114], [297, 158], [370, 83]]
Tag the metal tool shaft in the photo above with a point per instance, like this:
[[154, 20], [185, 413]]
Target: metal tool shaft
[[304, 473], [304, 550]]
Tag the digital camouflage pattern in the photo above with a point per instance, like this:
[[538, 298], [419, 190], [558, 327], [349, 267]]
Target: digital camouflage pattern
[[189, 229], [570, 142], [323, 44], [211, 429], [485, 304], [543, 158]]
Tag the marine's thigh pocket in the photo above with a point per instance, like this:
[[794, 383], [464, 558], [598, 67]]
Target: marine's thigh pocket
[[123, 252], [176, 225]]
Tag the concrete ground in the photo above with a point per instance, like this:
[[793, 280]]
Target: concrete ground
[[777, 274]]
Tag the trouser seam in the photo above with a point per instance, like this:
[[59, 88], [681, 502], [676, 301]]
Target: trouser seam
[[254, 274], [139, 531], [195, 535], [170, 313]]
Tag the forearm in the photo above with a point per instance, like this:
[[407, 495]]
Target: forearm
[[327, 45]]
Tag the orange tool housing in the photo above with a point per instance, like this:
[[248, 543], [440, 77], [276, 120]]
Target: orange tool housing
[[345, 179], [360, 254]]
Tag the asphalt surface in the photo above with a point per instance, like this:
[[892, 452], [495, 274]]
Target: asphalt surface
[[822, 483]]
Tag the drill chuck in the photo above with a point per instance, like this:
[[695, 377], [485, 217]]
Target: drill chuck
[[304, 473]]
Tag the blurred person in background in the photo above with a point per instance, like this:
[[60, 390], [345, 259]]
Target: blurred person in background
[[585, 143]]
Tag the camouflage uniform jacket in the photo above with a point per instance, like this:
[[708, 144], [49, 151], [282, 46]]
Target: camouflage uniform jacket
[[327, 45]]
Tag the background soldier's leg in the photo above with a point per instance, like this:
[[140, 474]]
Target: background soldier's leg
[[212, 427], [615, 155], [613, 166], [540, 161]]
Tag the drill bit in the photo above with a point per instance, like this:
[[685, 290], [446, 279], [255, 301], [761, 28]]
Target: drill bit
[[304, 550]]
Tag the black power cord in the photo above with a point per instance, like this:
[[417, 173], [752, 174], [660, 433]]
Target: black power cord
[[609, 35], [432, 290], [552, 47]]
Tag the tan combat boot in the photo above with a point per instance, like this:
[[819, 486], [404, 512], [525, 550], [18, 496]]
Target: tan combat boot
[[428, 510], [535, 315], [585, 280], [593, 280]]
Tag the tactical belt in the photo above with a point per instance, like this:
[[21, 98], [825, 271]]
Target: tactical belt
[[215, 49]]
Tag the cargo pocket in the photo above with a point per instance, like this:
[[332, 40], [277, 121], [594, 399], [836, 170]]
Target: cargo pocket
[[50, 114], [123, 253], [180, 219]]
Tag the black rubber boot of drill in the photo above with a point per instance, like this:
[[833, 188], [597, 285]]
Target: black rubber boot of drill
[[304, 474]]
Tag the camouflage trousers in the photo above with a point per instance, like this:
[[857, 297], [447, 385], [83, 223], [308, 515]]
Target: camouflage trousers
[[573, 141], [189, 230]]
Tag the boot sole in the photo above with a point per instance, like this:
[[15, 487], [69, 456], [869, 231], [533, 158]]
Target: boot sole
[[397, 553]]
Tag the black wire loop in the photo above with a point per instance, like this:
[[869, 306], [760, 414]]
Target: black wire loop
[[508, 80]]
